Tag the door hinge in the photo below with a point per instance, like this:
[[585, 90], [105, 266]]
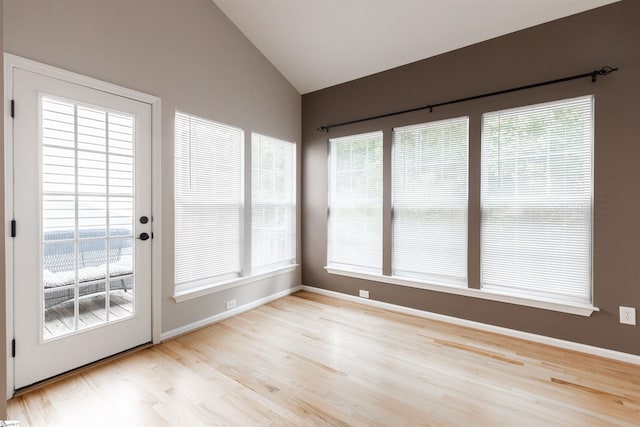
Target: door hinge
[[13, 228], [13, 347], [13, 108]]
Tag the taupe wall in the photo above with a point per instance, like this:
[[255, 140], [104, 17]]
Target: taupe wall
[[577, 44], [190, 55]]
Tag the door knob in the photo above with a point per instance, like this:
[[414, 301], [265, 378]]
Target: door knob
[[143, 236]]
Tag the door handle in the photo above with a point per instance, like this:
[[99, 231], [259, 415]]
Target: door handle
[[143, 236]]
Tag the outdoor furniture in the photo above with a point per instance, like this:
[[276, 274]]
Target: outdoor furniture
[[59, 269]]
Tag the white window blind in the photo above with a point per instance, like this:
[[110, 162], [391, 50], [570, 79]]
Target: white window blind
[[208, 204], [355, 202], [536, 200], [272, 201], [430, 174]]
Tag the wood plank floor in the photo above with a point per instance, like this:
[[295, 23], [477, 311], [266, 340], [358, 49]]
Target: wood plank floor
[[311, 360], [59, 319]]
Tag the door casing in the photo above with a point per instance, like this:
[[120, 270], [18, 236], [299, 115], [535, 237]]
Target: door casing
[[13, 62]]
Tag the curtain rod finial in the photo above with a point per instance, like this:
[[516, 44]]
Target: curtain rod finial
[[606, 70]]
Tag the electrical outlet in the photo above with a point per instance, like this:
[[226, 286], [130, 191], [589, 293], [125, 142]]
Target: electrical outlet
[[628, 315], [231, 304], [364, 294]]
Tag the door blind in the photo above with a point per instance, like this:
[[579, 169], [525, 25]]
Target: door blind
[[87, 210]]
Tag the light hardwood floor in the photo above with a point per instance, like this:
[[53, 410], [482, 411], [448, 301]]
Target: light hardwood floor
[[311, 360]]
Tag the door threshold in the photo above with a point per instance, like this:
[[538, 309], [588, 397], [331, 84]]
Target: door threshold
[[40, 384]]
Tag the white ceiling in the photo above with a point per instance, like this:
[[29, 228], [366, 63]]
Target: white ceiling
[[320, 43]]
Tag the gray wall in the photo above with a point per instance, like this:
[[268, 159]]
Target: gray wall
[[574, 45], [190, 55]]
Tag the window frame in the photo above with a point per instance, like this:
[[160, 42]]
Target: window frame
[[247, 273], [544, 205], [290, 206], [331, 204], [461, 281], [474, 220], [192, 200]]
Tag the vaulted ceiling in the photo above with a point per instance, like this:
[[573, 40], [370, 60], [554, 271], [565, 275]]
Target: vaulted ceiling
[[320, 43]]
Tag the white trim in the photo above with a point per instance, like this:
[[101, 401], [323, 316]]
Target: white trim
[[12, 62], [540, 339], [181, 295], [227, 314], [8, 211], [156, 223], [562, 307]]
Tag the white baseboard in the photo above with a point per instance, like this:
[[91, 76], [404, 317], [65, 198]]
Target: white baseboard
[[541, 339], [227, 314]]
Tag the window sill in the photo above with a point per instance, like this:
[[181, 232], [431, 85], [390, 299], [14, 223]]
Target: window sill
[[196, 292], [563, 307]]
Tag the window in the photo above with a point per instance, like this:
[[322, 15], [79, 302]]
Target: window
[[272, 202], [430, 170], [355, 202], [222, 232], [536, 200], [535, 210], [208, 201]]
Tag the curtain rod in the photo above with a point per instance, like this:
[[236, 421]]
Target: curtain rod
[[593, 74]]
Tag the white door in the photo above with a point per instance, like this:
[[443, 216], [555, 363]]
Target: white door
[[82, 207]]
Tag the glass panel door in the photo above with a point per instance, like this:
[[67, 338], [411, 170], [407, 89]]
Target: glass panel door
[[81, 199]]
